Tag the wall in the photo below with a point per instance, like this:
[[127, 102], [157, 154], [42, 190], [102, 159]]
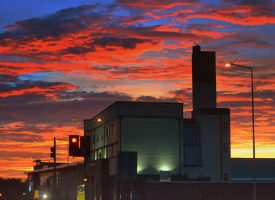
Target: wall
[[68, 179], [156, 140], [215, 140], [207, 191]]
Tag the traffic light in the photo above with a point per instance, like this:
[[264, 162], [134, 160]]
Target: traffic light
[[74, 146], [85, 145], [53, 152]]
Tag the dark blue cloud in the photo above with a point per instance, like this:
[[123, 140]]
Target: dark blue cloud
[[12, 11]]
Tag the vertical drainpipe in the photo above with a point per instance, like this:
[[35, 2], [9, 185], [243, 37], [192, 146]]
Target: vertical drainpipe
[[117, 182], [120, 128], [180, 147], [104, 140], [221, 148]]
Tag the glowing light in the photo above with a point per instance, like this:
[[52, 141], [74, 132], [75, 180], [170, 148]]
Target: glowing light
[[99, 120], [227, 64], [139, 169], [44, 196], [74, 140], [164, 167]]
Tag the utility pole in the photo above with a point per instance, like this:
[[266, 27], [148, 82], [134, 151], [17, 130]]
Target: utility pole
[[53, 155], [54, 161]]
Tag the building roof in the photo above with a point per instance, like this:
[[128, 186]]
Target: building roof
[[136, 109], [59, 167]]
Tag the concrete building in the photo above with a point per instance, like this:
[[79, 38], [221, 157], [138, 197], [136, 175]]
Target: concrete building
[[203, 78], [214, 123], [164, 142], [197, 148], [41, 181], [163, 139]]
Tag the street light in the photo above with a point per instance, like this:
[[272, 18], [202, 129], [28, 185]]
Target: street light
[[253, 120], [99, 119], [44, 196]]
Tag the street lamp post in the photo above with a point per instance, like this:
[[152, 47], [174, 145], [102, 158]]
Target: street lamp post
[[253, 120]]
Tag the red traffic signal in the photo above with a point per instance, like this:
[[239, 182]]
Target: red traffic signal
[[74, 140], [79, 146], [74, 145]]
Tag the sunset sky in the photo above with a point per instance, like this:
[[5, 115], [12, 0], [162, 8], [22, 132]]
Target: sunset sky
[[62, 61]]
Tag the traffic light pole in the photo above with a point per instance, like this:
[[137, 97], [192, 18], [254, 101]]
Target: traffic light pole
[[54, 161]]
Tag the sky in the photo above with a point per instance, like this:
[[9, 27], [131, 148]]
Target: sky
[[62, 61]]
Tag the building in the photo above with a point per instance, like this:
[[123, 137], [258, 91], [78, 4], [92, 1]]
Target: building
[[203, 78], [69, 177], [159, 137], [163, 139]]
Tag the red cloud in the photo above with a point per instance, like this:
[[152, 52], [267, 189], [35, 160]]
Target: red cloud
[[235, 14], [51, 91], [102, 47]]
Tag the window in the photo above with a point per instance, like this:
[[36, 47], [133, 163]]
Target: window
[[107, 131], [192, 146], [113, 129], [100, 155], [110, 151], [93, 137]]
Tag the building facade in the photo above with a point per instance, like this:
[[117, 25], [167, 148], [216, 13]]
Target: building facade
[[69, 178], [161, 139]]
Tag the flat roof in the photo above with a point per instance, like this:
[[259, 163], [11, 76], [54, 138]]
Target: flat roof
[[137, 109], [63, 166]]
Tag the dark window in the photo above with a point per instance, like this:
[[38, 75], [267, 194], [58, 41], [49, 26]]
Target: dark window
[[192, 146], [113, 129], [108, 131], [110, 151]]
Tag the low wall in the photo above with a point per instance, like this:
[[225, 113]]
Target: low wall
[[208, 191]]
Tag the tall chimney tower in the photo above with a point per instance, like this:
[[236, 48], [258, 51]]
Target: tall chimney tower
[[203, 78]]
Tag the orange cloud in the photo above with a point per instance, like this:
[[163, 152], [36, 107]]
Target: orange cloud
[[17, 160], [49, 92], [236, 14]]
